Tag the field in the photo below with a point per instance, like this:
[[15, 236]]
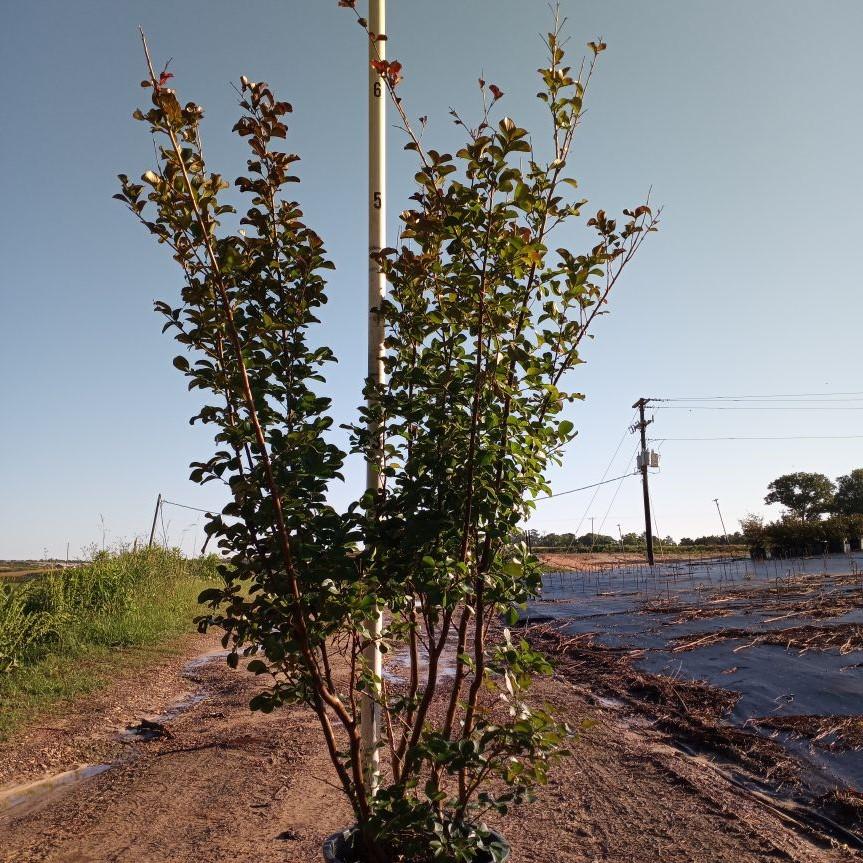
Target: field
[[758, 666], [62, 631], [715, 701], [24, 570], [563, 560]]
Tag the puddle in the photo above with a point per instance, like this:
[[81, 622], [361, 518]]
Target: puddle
[[21, 799], [397, 670], [152, 726], [180, 706], [398, 665], [204, 659], [145, 730]]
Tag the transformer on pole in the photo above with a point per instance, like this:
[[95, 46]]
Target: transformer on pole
[[644, 461]]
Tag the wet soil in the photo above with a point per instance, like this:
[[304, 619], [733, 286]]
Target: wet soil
[[229, 785]]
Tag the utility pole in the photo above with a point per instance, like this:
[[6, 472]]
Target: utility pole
[[622, 546], [721, 519], [155, 516], [592, 534], [641, 426], [370, 712]]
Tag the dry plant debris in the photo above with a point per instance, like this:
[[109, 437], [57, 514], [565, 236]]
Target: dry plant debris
[[693, 712], [844, 637], [834, 733]]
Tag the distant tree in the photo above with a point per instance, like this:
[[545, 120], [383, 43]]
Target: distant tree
[[554, 540], [804, 495], [709, 539], [791, 535], [755, 533], [596, 540], [839, 529], [848, 499]]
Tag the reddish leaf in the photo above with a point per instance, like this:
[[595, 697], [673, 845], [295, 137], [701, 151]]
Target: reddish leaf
[[391, 71]]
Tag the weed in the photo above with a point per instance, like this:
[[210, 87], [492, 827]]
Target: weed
[[59, 633]]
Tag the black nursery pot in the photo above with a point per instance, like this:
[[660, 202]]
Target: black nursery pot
[[337, 848]]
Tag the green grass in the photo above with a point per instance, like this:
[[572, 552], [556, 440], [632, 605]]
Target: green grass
[[70, 632]]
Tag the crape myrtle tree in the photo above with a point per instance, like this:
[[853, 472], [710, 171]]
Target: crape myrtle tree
[[484, 317]]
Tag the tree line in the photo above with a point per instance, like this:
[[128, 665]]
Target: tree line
[[820, 515], [625, 542]]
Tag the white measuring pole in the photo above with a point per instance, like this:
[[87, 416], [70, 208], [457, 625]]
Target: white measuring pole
[[370, 715]]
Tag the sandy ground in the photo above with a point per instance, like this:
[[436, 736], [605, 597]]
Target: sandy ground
[[230, 785]]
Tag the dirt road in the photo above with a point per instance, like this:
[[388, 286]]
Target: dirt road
[[228, 785]]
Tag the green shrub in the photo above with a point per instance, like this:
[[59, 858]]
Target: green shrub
[[19, 626], [117, 600]]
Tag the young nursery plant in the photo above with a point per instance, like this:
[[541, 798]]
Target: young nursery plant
[[484, 320]]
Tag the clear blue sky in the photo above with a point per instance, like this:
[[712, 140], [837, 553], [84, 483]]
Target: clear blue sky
[[744, 117]]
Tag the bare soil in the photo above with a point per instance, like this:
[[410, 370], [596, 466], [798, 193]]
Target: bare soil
[[228, 785], [583, 561]]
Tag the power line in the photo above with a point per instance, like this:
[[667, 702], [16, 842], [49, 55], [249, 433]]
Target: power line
[[185, 506], [604, 475], [584, 487], [756, 397], [759, 408], [617, 490], [785, 401], [777, 437]]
